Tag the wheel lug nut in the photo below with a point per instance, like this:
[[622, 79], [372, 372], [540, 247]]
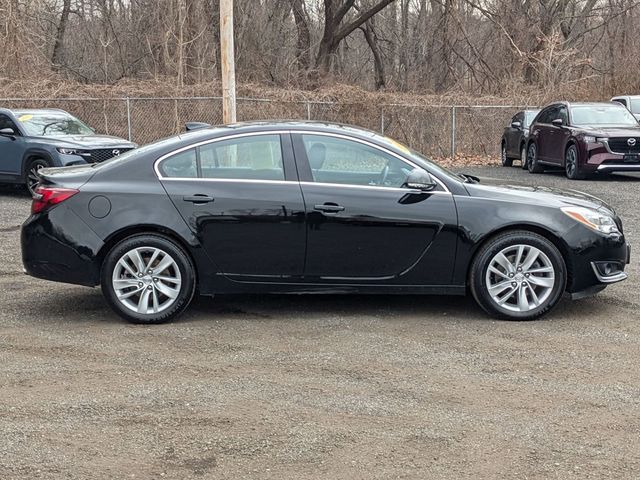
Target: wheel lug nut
[[155, 279], [140, 275], [149, 287], [527, 275], [140, 284], [514, 284]]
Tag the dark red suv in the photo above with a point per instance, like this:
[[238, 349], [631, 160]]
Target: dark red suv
[[584, 138]]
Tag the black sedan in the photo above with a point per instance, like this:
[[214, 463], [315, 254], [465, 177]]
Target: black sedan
[[294, 207], [513, 145]]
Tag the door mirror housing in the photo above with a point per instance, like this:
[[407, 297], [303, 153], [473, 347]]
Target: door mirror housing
[[558, 122], [420, 180], [7, 132], [516, 124]]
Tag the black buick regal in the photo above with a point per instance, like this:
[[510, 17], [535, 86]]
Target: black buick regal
[[294, 207]]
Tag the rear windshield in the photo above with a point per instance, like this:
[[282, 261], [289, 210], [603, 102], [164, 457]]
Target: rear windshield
[[611, 115], [52, 125]]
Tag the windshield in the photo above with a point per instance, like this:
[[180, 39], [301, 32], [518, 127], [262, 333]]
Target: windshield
[[635, 105], [412, 154], [605, 115], [529, 115], [52, 124]]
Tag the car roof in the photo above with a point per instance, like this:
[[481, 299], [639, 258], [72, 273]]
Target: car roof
[[626, 96]]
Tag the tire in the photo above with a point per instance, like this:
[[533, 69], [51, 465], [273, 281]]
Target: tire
[[523, 157], [31, 173], [506, 161], [532, 159], [153, 297], [572, 165], [504, 288]]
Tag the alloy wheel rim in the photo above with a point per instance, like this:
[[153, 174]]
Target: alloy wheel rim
[[520, 278], [531, 154], [571, 161], [523, 156], [33, 179], [504, 154], [146, 280]]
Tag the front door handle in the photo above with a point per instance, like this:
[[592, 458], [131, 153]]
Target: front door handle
[[329, 208], [198, 198]]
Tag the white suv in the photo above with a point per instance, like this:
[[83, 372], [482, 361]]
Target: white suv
[[632, 102]]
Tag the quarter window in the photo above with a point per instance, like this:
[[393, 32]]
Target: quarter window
[[336, 160], [253, 158], [181, 165]]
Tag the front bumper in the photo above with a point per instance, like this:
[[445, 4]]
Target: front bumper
[[600, 159]]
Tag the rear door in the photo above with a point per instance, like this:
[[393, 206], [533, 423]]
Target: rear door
[[363, 226], [241, 197]]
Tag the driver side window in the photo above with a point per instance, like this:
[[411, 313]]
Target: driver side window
[[341, 161]]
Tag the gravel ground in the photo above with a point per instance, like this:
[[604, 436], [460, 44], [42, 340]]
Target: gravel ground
[[319, 387]]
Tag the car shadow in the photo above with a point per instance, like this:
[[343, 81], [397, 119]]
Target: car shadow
[[80, 305], [16, 191]]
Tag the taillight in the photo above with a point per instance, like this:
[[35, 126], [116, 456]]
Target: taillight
[[46, 197]]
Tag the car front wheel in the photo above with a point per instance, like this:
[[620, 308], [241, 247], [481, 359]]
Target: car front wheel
[[572, 165], [518, 275], [506, 161], [31, 174], [148, 279], [523, 157], [532, 159]]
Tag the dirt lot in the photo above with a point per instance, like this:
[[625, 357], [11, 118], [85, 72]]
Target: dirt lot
[[319, 387]]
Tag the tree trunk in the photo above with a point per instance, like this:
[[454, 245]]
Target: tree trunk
[[303, 45], [378, 66], [56, 57]]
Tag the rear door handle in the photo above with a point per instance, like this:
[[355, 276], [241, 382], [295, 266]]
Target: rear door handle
[[329, 208], [198, 198]]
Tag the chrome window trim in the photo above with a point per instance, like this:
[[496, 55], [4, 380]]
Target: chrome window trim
[[156, 164], [376, 187], [291, 131]]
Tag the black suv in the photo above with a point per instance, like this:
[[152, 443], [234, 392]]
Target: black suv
[[35, 139]]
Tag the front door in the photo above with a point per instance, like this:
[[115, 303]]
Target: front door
[[241, 198], [363, 226], [11, 149]]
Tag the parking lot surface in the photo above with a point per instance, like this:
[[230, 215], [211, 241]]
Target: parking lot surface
[[319, 386]]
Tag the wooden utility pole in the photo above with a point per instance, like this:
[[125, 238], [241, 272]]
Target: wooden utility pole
[[228, 62]]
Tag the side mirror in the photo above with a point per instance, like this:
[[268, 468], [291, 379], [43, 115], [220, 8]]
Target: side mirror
[[420, 180], [558, 122], [7, 132], [516, 124]]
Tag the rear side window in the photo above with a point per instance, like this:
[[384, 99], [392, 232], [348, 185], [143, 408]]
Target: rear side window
[[635, 106], [252, 158], [180, 165], [620, 100]]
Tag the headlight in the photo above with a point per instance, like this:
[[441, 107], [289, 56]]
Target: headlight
[[70, 151], [589, 139], [592, 219]]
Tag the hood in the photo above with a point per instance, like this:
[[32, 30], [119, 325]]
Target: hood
[[543, 196], [611, 131], [88, 141]]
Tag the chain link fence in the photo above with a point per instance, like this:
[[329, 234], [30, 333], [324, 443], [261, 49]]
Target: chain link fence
[[439, 131]]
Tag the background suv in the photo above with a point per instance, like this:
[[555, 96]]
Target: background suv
[[584, 138], [35, 139], [632, 102], [514, 139]]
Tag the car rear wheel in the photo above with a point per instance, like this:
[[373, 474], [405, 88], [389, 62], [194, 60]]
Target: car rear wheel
[[148, 279], [571, 164], [532, 159], [31, 174], [506, 161], [518, 275], [523, 157]]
